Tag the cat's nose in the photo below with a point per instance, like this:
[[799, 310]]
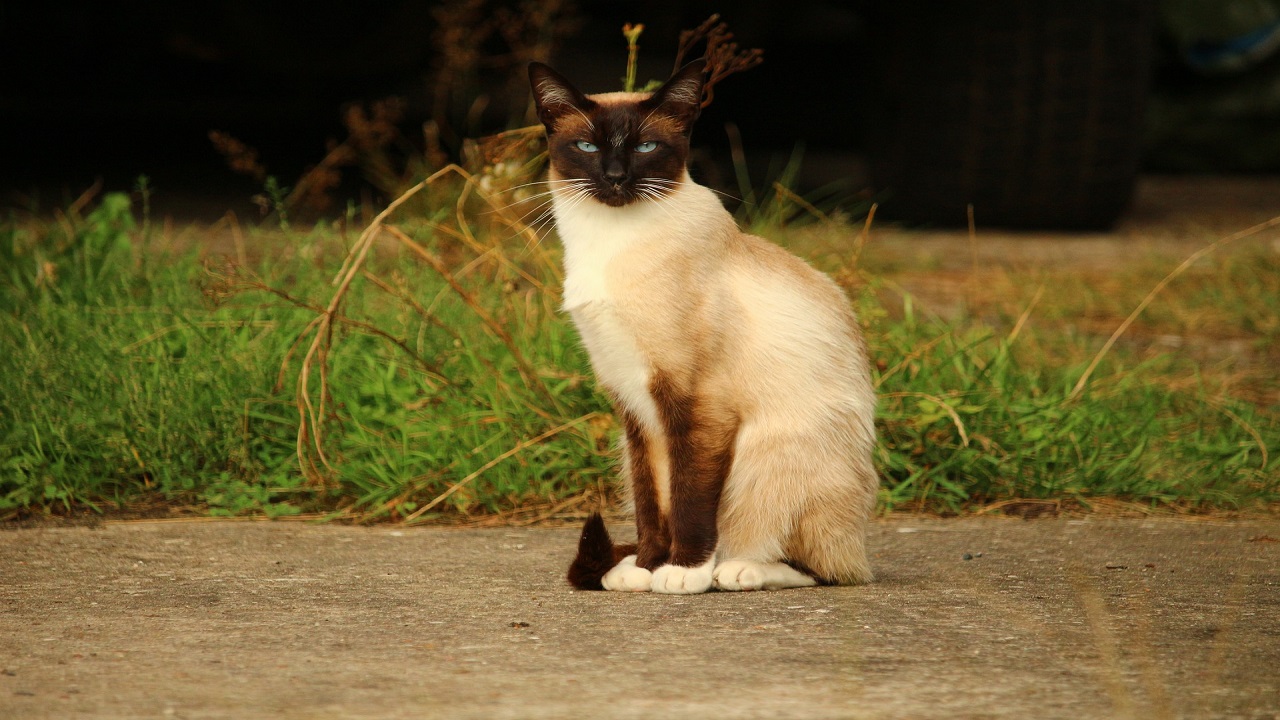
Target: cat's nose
[[615, 173]]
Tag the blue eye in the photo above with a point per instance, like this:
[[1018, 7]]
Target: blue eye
[[585, 146], [645, 147]]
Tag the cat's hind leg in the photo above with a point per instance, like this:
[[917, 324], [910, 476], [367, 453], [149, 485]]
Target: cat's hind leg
[[734, 575], [830, 538], [794, 513]]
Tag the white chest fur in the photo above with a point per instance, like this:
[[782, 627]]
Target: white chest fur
[[611, 256], [620, 363], [600, 244], [603, 249], [603, 245], [597, 240]]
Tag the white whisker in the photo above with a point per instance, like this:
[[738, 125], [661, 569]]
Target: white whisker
[[645, 123]]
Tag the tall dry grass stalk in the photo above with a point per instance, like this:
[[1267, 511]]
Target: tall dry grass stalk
[[313, 399], [1083, 382]]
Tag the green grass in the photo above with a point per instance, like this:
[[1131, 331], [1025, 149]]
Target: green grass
[[135, 375], [977, 418]]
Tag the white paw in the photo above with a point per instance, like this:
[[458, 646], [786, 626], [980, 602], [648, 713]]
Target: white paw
[[678, 580], [626, 576], [751, 575], [739, 575]]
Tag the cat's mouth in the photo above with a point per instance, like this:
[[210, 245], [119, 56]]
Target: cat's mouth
[[616, 195], [628, 193]]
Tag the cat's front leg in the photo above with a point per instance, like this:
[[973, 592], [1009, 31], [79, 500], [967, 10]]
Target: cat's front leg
[[627, 577], [681, 580], [653, 542], [701, 445]]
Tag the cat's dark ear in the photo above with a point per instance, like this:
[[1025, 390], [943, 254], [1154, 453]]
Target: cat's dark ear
[[554, 96], [681, 96]]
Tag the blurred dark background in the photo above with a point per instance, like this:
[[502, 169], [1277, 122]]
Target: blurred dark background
[[1039, 115]]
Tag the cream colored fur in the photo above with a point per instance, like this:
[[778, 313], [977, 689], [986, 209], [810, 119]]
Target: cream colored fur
[[748, 575], [626, 576], [764, 340]]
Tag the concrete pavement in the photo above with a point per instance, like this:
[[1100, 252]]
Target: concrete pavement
[[1050, 618]]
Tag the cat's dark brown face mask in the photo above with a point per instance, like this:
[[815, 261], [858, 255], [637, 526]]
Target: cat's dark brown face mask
[[616, 148]]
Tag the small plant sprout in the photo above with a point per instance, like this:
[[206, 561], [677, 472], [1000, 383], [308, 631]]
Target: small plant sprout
[[632, 34]]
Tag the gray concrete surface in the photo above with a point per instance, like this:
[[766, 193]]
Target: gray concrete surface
[[1059, 618]]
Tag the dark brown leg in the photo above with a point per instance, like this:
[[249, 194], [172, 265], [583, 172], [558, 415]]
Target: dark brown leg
[[701, 446], [653, 541]]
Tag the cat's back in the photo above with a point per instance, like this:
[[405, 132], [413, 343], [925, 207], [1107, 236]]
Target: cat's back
[[797, 332], [777, 283]]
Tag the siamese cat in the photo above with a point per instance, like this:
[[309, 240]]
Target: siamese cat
[[738, 371]]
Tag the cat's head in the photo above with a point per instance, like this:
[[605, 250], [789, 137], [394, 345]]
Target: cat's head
[[619, 147]]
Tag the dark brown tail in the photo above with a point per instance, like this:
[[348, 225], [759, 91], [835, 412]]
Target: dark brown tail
[[596, 555]]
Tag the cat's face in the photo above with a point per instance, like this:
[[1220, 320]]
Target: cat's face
[[618, 148]]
